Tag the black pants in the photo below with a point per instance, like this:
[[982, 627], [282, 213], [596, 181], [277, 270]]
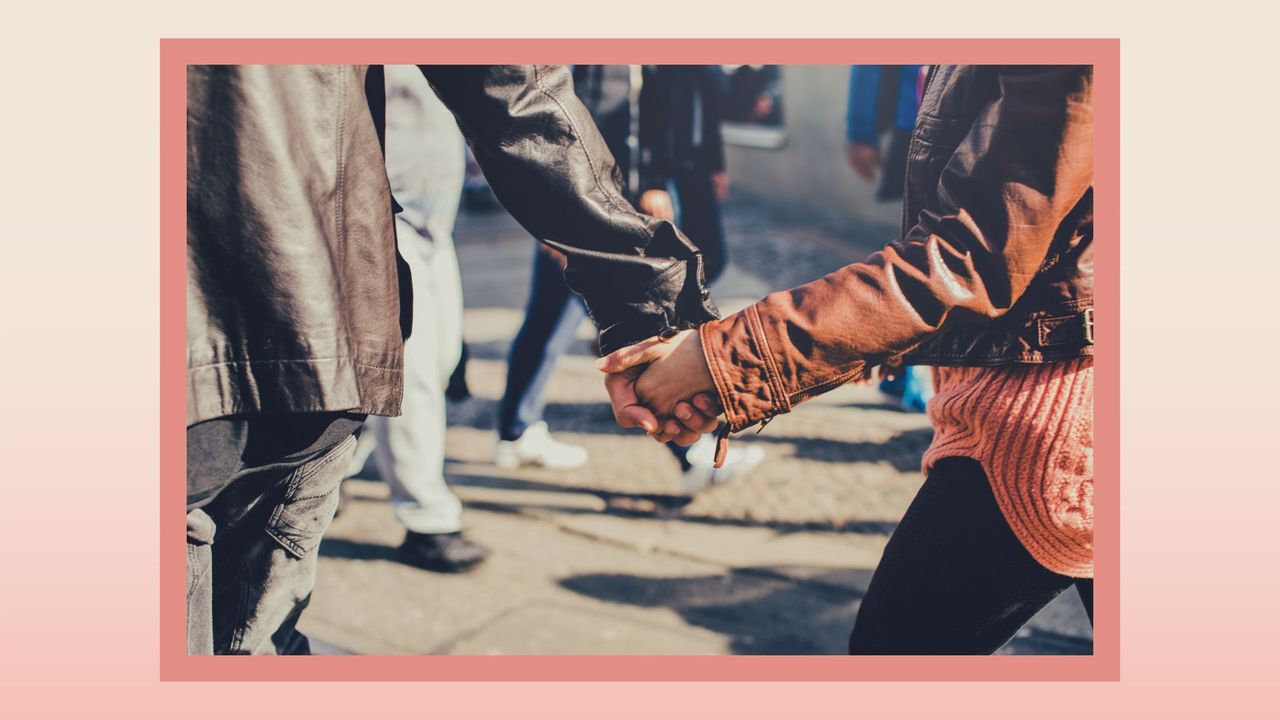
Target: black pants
[[701, 221], [954, 579]]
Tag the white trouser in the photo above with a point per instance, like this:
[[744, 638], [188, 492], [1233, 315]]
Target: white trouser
[[425, 163]]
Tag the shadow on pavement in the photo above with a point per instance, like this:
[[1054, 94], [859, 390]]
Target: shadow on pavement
[[355, 550], [647, 506], [903, 451], [760, 611], [591, 417], [878, 407], [765, 611]]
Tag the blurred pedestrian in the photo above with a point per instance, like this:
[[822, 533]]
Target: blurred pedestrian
[[754, 95], [425, 166], [883, 100], [681, 152], [682, 169], [553, 313]]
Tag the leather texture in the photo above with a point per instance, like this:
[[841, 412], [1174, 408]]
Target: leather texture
[[548, 165], [994, 266]]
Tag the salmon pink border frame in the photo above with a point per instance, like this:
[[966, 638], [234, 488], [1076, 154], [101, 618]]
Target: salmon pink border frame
[[176, 54]]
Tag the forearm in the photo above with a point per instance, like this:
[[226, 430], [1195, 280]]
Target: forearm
[[795, 344], [548, 165]]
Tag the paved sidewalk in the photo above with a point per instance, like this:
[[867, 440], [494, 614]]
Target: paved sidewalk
[[608, 558]]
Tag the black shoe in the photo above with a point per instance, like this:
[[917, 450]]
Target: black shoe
[[443, 552], [457, 389]]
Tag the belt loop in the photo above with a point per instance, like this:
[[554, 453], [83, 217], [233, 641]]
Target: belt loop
[[1088, 325]]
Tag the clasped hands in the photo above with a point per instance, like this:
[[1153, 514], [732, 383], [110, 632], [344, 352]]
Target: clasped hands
[[664, 387]]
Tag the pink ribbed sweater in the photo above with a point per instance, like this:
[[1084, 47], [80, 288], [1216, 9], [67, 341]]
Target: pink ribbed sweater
[[1031, 428]]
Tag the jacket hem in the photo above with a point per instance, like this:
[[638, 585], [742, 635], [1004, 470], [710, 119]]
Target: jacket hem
[[341, 384]]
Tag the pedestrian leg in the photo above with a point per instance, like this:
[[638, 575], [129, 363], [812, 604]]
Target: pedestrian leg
[[700, 219], [410, 449], [531, 359]]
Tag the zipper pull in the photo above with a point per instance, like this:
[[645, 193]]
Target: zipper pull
[[722, 441], [722, 445]]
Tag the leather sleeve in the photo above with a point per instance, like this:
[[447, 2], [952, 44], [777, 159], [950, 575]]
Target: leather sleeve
[[1022, 166], [548, 165]]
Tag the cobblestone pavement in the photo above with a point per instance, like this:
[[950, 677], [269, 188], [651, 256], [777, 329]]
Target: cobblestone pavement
[[610, 558]]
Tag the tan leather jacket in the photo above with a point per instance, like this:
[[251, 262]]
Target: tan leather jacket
[[296, 301], [995, 263]]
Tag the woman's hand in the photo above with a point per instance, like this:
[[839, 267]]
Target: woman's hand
[[664, 387]]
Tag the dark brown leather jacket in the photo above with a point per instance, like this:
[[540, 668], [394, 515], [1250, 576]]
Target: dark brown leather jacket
[[995, 264], [294, 292]]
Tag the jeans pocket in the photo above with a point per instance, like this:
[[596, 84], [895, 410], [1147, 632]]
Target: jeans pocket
[[300, 519]]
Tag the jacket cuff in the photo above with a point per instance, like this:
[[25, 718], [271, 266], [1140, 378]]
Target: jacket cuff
[[741, 365], [676, 298]]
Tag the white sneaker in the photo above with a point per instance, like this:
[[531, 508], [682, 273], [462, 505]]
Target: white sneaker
[[702, 472], [536, 447]]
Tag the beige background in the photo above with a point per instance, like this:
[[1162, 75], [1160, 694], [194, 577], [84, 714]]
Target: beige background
[[79, 294]]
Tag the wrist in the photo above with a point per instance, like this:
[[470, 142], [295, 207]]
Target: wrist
[[694, 361]]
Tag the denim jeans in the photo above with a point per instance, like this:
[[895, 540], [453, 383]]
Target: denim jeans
[[251, 556], [551, 319]]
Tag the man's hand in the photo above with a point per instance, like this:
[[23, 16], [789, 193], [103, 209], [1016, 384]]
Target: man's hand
[[720, 182], [658, 204], [554, 254], [664, 387], [762, 107], [864, 159]]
